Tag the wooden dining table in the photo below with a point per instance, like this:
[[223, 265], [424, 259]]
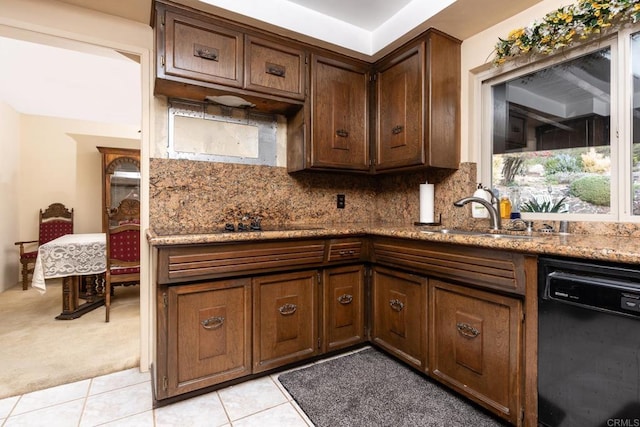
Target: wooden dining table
[[73, 257]]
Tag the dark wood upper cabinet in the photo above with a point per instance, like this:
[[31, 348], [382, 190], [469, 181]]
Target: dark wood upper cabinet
[[274, 68], [339, 136], [199, 50], [418, 105], [343, 114]]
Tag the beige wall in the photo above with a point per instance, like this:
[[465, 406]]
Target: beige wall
[[9, 197], [60, 163]]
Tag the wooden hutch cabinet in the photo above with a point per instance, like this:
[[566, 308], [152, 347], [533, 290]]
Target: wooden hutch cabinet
[[120, 178]]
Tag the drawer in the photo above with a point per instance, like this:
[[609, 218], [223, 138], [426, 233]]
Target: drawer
[[341, 250], [188, 263]]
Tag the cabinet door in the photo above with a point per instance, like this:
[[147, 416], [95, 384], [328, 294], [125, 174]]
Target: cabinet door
[[285, 326], [274, 68], [200, 50], [208, 335], [343, 307], [401, 110], [400, 315], [475, 345], [339, 118]]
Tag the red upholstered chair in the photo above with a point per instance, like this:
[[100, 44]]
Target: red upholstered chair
[[123, 259], [54, 222]]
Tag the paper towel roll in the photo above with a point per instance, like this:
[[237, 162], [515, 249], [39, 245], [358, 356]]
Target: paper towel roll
[[426, 203]]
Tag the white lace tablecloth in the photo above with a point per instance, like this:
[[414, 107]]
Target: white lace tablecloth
[[70, 255]]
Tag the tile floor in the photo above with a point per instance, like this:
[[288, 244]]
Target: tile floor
[[124, 399]]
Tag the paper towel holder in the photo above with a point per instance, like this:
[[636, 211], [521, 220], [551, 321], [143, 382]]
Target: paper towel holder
[[430, 223]]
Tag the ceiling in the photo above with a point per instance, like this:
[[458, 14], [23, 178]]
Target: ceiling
[[104, 86]]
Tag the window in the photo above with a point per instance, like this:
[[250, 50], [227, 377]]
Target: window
[[562, 136]]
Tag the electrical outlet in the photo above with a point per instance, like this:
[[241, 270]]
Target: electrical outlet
[[340, 201]]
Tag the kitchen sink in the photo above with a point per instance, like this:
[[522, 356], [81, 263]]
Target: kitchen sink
[[477, 233]]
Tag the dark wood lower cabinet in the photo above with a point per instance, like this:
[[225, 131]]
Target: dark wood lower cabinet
[[399, 305], [284, 319], [343, 307], [475, 343], [451, 312], [208, 332]]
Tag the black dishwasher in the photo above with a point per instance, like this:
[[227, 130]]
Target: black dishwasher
[[588, 343]]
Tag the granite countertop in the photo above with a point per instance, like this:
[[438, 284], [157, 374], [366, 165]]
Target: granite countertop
[[595, 247]]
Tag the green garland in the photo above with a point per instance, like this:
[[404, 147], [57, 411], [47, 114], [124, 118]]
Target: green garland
[[565, 25]]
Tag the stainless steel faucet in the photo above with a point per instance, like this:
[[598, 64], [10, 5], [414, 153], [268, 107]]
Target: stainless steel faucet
[[496, 223]]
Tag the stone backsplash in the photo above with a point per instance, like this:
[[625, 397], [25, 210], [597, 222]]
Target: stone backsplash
[[187, 195]]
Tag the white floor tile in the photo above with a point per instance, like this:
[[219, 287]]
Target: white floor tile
[[205, 410], [144, 419], [117, 404], [51, 396], [280, 416], [63, 415], [118, 380], [250, 397], [6, 405]]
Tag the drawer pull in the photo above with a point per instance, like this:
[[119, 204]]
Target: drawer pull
[[213, 323], [346, 252], [342, 133], [396, 130], [205, 52], [288, 309], [345, 299], [466, 330], [275, 69], [396, 305]]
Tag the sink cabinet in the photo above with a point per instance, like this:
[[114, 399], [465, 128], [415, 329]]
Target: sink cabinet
[[399, 314], [475, 344], [285, 313]]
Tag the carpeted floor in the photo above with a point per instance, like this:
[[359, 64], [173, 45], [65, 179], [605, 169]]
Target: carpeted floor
[[37, 351], [368, 388]]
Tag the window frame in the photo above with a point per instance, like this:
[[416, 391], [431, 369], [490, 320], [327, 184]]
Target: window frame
[[621, 106]]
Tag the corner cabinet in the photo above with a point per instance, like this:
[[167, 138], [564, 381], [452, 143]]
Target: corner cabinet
[[418, 105], [338, 138]]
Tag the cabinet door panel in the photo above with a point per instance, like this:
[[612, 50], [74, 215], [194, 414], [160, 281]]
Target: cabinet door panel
[[400, 314], [285, 319], [475, 345], [208, 340], [400, 133], [339, 118], [343, 289], [275, 69], [200, 50]]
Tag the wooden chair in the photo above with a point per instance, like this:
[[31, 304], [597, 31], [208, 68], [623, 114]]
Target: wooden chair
[[54, 222], [123, 248]]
